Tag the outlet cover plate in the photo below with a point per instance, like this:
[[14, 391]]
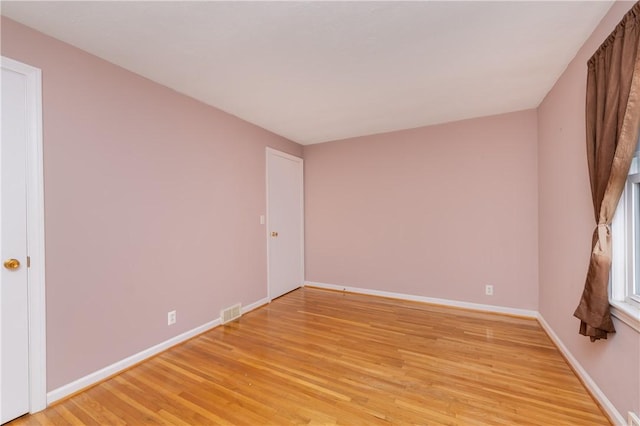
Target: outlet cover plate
[[171, 318]]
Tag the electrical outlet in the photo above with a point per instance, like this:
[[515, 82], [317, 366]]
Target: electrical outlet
[[171, 318], [488, 290]]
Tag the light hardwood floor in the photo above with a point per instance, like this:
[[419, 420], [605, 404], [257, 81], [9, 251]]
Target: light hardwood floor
[[321, 357]]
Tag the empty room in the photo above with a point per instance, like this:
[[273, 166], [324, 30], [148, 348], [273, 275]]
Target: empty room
[[320, 212]]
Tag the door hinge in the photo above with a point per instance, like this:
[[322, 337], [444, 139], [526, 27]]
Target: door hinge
[[28, 261]]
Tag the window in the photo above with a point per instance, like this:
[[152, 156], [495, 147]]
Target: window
[[625, 269]]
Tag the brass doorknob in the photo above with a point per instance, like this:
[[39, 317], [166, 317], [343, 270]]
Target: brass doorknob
[[12, 264], [274, 234]]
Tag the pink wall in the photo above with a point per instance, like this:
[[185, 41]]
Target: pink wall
[[566, 222], [437, 211], [152, 204]]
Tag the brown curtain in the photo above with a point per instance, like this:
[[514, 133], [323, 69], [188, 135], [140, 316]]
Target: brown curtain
[[613, 122]]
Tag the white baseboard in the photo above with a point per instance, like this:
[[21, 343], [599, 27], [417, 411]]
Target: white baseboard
[[97, 376], [121, 365], [604, 402], [255, 305], [432, 300]]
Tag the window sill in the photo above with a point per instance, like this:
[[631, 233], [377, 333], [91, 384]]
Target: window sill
[[626, 313]]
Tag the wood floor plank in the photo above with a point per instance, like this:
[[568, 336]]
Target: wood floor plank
[[319, 357]]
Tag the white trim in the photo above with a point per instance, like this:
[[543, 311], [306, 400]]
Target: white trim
[[593, 388], [626, 313], [432, 300], [35, 236], [117, 367], [255, 305], [123, 364], [300, 161]]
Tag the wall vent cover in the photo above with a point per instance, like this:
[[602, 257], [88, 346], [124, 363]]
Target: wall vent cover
[[231, 313]]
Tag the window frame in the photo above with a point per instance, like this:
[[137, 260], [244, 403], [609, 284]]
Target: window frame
[[624, 296]]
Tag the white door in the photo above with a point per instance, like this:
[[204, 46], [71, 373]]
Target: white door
[[285, 220], [14, 314]]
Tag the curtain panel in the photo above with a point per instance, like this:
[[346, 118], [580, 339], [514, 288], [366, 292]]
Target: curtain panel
[[612, 124]]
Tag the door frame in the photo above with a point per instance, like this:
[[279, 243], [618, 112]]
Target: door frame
[[300, 161], [35, 235]]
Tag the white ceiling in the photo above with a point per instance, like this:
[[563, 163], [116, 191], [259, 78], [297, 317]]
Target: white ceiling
[[320, 71]]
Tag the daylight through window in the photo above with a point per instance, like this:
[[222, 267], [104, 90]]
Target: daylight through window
[[625, 271]]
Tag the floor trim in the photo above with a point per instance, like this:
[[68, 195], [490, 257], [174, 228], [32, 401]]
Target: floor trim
[[592, 387], [446, 302], [117, 367]]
